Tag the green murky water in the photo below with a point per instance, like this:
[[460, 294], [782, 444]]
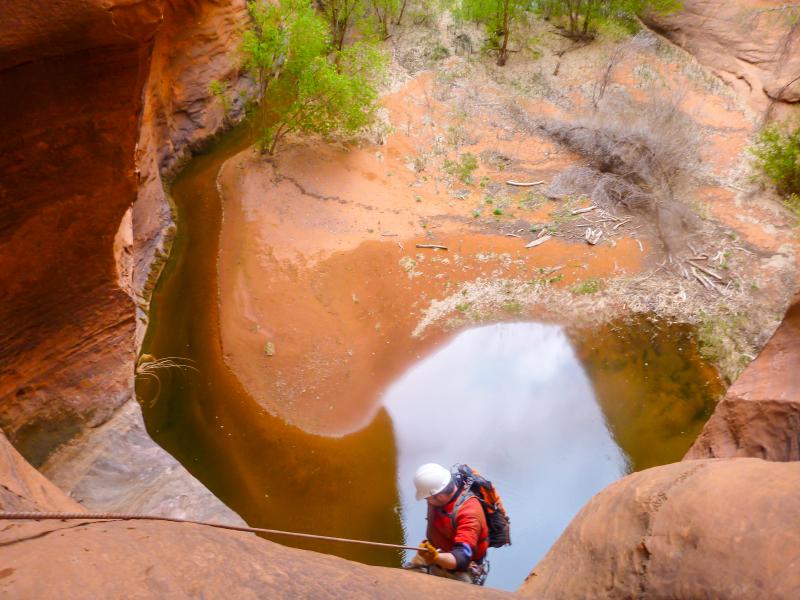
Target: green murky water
[[552, 417]]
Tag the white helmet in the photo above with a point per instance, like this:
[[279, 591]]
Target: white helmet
[[431, 479]]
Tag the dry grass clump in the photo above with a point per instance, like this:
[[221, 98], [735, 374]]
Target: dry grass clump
[[639, 157], [729, 331], [149, 368]]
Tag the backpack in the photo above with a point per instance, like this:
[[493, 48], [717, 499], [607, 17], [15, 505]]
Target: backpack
[[496, 518]]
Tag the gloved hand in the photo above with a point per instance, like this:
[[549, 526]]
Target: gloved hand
[[427, 552]]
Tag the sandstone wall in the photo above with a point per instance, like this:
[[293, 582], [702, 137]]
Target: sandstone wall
[[760, 414], [198, 43], [117, 467], [754, 45], [695, 529], [99, 98], [71, 76], [24, 488]]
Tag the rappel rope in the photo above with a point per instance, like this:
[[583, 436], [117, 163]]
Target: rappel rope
[[64, 516]]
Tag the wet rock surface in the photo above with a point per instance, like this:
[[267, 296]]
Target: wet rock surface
[[198, 43], [695, 529], [760, 414]]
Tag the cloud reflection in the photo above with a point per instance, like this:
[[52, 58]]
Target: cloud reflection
[[512, 400]]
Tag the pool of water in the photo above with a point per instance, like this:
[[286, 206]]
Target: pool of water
[[514, 402], [551, 416]]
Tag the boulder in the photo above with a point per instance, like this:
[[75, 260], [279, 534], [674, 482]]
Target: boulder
[[146, 559], [760, 414], [694, 529], [23, 488]]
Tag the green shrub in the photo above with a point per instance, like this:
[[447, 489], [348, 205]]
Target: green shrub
[[497, 17], [463, 169], [218, 89], [306, 85], [589, 286], [777, 157]]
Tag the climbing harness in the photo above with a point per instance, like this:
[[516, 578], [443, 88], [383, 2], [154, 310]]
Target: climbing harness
[[65, 516]]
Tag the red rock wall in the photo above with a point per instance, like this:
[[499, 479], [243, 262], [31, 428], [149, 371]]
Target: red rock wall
[[754, 45], [700, 529], [197, 44], [760, 414], [67, 136], [87, 126], [24, 488]]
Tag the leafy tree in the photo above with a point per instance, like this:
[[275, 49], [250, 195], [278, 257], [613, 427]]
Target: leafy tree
[[264, 45], [327, 96], [497, 17], [371, 17], [304, 85], [385, 11], [583, 15], [341, 15]]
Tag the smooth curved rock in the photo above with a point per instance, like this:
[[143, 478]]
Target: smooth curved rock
[[760, 414], [66, 156], [119, 468], [23, 488], [141, 559], [77, 142], [752, 45], [696, 529], [77, 147]]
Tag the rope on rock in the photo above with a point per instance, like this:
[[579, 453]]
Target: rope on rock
[[65, 516]]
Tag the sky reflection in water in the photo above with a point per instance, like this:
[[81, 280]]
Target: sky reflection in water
[[511, 400]]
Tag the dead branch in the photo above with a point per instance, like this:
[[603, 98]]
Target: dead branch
[[539, 241]]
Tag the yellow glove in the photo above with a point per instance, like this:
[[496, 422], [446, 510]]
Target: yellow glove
[[427, 552]]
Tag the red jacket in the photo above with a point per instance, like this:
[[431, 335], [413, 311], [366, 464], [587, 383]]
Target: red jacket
[[470, 529]]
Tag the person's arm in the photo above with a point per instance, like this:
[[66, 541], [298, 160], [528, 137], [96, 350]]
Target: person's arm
[[456, 560], [465, 542]]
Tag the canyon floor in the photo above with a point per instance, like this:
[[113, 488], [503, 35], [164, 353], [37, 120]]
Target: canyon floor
[[324, 273]]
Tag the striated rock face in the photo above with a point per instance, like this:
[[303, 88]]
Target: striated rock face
[[83, 143], [118, 468], [760, 414], [695, 529], [754, 45], [141, 559], [89, 123], [197, 44], [70, 96]]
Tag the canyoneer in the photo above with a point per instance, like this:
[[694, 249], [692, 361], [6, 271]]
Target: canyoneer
[[465, 517]]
